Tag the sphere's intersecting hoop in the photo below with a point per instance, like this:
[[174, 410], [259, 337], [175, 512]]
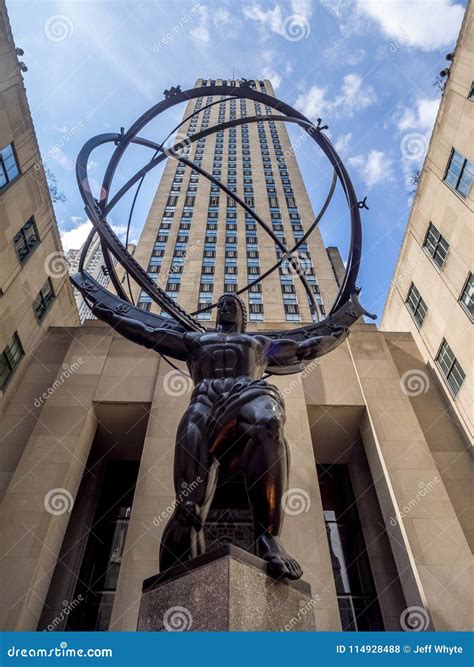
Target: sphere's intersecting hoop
[[346, 308]]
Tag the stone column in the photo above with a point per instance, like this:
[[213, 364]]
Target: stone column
[[432, 555], [36, 506]]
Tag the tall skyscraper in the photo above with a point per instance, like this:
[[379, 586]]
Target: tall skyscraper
[[34, 288], [432, 292], [93, 264], [197, 243]]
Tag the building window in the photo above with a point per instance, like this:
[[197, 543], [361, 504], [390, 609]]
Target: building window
[[471, 92], [8, 166], [44, 300], [9, 359], [467, 296], [416, 305], [450, 367], [436, 246], [292, 312], [26, 240], [256, 311], [356, 595], [459, 173]]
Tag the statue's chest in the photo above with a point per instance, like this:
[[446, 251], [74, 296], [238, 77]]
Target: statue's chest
[[226, 358]]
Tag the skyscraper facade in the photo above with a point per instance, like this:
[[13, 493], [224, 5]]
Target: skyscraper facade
[[95, 266], [197, 243]]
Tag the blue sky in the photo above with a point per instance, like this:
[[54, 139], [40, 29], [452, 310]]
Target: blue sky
[[366, 67]]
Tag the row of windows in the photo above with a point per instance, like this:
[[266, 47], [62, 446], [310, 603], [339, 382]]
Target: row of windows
[[445, 359], [419, 309], [13, 352], [437, 247]]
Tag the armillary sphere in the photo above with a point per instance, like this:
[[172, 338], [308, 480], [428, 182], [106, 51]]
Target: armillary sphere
[[346, 309]]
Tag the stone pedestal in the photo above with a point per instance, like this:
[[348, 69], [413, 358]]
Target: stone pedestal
[[226, 589]]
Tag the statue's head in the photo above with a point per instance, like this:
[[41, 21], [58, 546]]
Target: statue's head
[[231, 313]]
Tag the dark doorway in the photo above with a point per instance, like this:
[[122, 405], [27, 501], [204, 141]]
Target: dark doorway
[[98, 576], [358, 604]]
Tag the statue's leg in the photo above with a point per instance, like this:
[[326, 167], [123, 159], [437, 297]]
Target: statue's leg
[[265, 464], [195, 479]]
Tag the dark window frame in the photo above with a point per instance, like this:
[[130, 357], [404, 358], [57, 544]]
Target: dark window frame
[[451, 369]]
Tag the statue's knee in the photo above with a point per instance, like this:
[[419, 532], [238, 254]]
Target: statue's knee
[[189, 514]]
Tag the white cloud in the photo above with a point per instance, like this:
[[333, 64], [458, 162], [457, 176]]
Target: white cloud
[[424, 24], [313, 103], [274, 19], [342, 143], [221, 16], [302, 8], [200, 34], [355, 95], [74, 238], [415, 125], [421, 117], [272, 75], [373, 168], [336, 7], [270, 18]]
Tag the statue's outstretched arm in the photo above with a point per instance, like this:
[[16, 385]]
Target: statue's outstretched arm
[[284, 351], [320, 345], [165, 341]]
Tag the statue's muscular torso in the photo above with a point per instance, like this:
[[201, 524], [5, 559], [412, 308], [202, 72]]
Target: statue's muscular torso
[[218, 355]]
